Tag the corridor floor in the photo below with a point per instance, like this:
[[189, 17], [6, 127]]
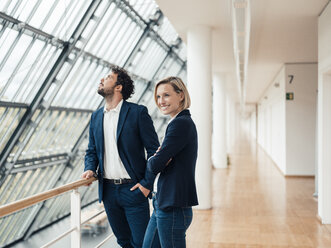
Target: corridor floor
[[254, 205]]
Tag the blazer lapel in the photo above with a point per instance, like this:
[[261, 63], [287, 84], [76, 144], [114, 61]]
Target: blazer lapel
[[99, 123], [121, 119]]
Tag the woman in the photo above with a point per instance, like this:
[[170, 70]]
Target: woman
[[175, 161]]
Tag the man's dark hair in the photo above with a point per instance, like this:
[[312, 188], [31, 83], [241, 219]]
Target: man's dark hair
[[123, 79]]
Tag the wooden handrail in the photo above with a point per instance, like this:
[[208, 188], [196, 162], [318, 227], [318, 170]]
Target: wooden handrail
[[31, 200]]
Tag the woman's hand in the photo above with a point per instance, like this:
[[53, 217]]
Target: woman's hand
[[168, 162], [142, 189], [158, 149]]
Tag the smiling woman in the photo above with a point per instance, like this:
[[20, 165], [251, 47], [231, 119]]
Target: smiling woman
[[168, 100], [175, 160], [171, 96]]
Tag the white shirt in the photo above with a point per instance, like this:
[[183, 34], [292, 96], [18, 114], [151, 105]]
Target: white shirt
[[113, 166]]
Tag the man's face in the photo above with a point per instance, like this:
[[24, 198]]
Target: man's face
[[107, 85]]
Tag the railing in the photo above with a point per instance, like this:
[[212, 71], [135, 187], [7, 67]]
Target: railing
[[75, 210]]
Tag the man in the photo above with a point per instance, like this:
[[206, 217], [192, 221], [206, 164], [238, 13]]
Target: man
[[119, 132]]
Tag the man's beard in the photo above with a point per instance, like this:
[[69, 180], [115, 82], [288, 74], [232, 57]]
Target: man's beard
[[108, 93]]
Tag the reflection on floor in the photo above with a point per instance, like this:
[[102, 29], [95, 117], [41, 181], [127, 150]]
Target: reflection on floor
[[254, 205]]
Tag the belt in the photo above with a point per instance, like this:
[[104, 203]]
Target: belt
[[118, 181]]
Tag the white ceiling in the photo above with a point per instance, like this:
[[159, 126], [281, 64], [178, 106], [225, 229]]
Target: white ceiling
[[282, 31]]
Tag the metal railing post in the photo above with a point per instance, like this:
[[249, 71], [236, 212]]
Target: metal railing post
[[75, 219]]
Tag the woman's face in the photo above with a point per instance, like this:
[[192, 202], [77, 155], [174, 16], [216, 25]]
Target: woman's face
[[168, 100]]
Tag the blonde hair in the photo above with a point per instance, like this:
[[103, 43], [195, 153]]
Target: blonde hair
[[178, 86]]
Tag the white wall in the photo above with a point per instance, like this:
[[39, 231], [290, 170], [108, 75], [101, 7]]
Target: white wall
[[271, 121], [252, 124], [324, 116], [301, 119], [286, 129], [278, 150]]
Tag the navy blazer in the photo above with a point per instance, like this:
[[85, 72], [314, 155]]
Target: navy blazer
[[176, 184], [135, 131]]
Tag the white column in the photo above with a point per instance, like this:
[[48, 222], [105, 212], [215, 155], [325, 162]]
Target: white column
[[324, 147], [200, 87], [324, 116], [75, 219], [219, 122]]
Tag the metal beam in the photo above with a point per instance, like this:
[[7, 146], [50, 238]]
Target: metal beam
[[37, 166], [65, 109], [37, 101], [125, 5], [154, 76], [13, 105], [19, 26]]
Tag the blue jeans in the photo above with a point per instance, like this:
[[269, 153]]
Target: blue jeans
[[167, 229], [127, 212]]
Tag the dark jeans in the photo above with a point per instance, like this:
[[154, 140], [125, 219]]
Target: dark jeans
[[167, 229], [128, 213]]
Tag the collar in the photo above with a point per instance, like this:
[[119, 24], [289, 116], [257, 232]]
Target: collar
[[183, 112], [173, 118], [117, 109]]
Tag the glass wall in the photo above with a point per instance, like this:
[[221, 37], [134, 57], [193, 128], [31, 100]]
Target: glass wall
[[52, 57]]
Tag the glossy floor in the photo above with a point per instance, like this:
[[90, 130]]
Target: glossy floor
[[254, 205]]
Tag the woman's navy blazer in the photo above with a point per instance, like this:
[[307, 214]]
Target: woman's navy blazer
[[176, 184], [135, 133]]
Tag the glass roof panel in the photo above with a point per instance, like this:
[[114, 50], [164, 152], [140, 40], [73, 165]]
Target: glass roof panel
[[56, 17], [48, 138], [9, 119]]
